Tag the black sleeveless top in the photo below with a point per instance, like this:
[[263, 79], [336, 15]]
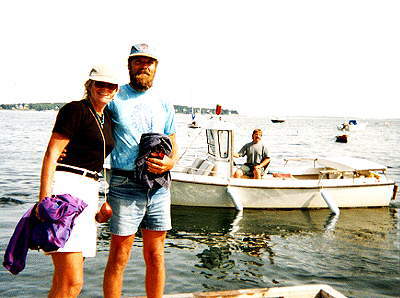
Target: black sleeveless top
[[85, 149]]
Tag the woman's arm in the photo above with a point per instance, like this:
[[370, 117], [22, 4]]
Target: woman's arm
[[56, 145]]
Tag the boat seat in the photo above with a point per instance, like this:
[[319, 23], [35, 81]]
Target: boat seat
[[195, 166], [201, 167], [205, 168]]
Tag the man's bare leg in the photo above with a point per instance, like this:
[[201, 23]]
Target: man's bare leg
[[257, 173], [120, 252], [153, 251]]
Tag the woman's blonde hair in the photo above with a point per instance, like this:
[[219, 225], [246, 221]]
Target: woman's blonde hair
[[86, 92]]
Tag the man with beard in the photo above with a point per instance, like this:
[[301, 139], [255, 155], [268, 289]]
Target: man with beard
[[257, 157], [138, 109]]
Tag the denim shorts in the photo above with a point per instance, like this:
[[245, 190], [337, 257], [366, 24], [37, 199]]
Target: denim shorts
[[137, 206]]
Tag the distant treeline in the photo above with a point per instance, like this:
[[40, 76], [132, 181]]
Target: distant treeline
[[32, 106], [57, 106]]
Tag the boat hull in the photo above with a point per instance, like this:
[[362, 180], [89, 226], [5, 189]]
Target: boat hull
[[279, 194]]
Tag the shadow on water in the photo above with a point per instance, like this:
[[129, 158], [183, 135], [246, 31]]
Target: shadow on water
[[6, 201]]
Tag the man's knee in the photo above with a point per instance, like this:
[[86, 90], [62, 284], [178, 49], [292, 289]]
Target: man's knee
[[238, 173], [119, 253], [257, 173], [118, 260], [154, 258], [72, 286], [76, 287]]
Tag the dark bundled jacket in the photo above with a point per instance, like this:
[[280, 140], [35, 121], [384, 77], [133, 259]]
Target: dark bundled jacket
[[58, 214], [158, 143]]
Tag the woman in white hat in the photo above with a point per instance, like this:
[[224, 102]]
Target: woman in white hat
[[83, 128]]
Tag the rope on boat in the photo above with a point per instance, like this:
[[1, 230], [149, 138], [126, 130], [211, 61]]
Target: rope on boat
[[187, 147]]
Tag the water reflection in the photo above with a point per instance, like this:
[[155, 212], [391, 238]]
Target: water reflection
[[250, 231], [331, 222], [260, 248]]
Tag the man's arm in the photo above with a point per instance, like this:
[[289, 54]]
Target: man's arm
[[159, 166], [264, 163], [241, 153]]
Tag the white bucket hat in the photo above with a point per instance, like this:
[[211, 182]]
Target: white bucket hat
[[104, 73]]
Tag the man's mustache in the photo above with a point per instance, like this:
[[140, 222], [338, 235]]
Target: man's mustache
[[146, 72]]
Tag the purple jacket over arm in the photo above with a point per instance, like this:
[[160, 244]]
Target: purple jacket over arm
[[58, 213]]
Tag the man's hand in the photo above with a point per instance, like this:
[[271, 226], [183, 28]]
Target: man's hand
[[158, 165]]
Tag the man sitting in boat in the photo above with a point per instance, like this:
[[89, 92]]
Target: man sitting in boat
[[257, 157]]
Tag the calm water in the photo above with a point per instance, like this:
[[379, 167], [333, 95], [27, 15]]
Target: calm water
[[218, 249]]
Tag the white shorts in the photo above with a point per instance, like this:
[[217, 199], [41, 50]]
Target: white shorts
[[83, 237]]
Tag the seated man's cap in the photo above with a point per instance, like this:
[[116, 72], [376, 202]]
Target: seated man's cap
[[143, 49], [104, 73]]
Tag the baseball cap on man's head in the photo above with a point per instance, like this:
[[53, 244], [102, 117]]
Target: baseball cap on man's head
[[104, 73], [143, 50]]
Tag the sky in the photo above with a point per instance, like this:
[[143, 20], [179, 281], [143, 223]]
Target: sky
[[265, 58]]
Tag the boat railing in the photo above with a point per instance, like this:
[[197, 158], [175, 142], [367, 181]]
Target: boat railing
[[286, 160]]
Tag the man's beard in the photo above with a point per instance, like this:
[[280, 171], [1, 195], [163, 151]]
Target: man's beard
[[141, 81]]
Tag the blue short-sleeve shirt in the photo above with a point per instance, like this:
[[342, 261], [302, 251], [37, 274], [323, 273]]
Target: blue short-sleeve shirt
[[134, 113]]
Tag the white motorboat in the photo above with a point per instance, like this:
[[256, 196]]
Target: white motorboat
[[326, 182]]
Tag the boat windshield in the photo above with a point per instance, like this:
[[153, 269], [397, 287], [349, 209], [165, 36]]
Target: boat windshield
[[218, 143]]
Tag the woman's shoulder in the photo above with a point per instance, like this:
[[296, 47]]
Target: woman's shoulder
[[73, 109], [75, 105]]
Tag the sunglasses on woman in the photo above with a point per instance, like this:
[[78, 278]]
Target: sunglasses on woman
[[109, 86]]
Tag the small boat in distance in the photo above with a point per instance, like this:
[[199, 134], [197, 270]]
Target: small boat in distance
[[352, 125], [341, 138], [194, 123], [277, 120]]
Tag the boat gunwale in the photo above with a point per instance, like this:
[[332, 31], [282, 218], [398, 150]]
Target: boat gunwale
[[283, 187]]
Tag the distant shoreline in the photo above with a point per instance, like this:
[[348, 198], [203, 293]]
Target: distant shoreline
[[56, 106]]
